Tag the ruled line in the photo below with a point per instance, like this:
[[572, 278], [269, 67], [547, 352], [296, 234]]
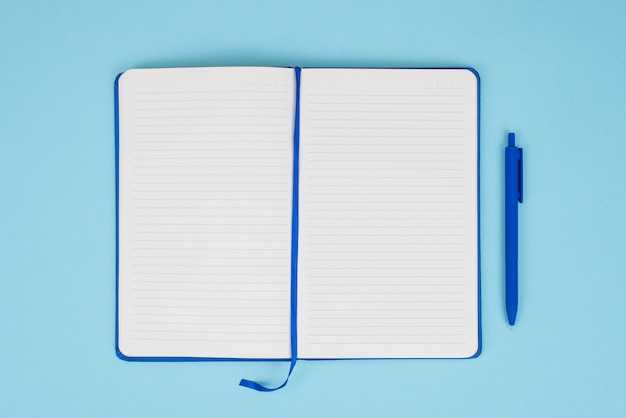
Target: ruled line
[[209, 91], [334, 94], [214, 340], [169, 108], [211, 99]]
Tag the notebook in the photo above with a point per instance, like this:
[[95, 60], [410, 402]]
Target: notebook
[[267, 211]]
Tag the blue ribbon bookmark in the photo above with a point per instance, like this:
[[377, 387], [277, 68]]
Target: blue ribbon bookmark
[[294, 250], [257, 386]]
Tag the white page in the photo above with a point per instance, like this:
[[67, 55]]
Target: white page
[[388, 230], [205, 195]]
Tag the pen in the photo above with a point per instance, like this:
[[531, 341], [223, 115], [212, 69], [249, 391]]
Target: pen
[[512, 196]]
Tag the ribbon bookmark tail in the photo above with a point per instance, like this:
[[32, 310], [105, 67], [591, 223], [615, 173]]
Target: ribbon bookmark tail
[[257, 386]]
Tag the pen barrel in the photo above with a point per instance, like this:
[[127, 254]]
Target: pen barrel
[[511, 194], [511, 201], [511, 290]]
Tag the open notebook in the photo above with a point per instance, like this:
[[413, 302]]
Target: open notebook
[[261, 206]]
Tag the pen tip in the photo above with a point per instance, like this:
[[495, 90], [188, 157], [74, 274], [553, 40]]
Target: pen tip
[[512, 327]]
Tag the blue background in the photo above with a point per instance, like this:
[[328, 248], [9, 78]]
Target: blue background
[[554, 72]]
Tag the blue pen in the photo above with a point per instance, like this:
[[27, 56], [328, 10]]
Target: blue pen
[[512, 196]]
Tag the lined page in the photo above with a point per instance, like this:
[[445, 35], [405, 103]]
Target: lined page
[[205, 194], [388, 238]]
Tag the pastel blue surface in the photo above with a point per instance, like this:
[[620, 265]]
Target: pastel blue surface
[[554, 72]]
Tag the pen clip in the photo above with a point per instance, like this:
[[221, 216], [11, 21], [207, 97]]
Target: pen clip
[[520, 177]]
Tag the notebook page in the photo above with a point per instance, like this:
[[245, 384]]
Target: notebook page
[[205, 194], [388, 234]]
